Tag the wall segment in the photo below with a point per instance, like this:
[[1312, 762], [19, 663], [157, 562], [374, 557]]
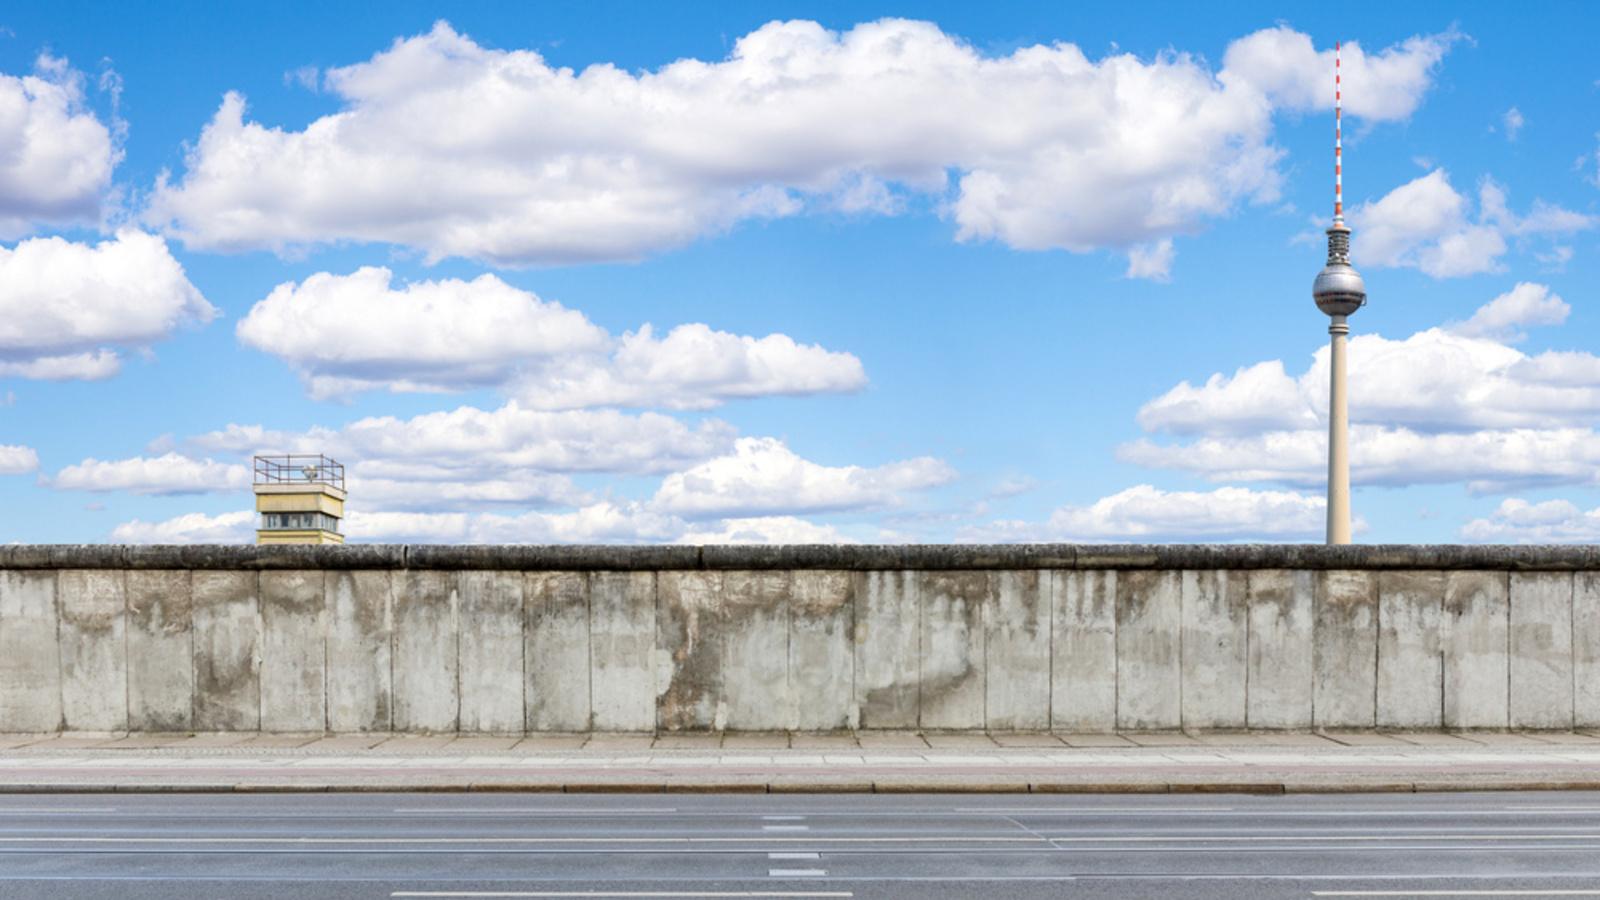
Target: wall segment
[[437, 639]]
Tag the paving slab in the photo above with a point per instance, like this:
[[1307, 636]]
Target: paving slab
[[891, 740]]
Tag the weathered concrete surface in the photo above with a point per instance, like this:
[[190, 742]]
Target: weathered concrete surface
[[557, 651], [226, 630], [822, 659], [30, 660], [491, 644], [426, 682], [1280, 648], [1541, 650], [756, 685], [1149, 674], [1083, 666], [1586, 649], [888, 639], [294, 649], [94, 649], [160, 650], [953, 689], [1345, 676], [622, 635], [1017, 652], [691, 651], [1410, 668], [1214, 642], [360, 637], [1476, 635]]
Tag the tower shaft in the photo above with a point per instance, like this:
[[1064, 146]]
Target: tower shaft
[[1338, 436]]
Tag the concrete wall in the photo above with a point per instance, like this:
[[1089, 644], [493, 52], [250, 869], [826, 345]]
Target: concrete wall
[[516, 639]]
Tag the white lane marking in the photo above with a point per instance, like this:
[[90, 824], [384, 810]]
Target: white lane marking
[[622, 894], [786, 828], [49, 811], [796, 873], [1554, 809], [1075, 810], [794, 856], [1455, 892], [1595, 893], [753, 839], [783, 818], [533, 810]]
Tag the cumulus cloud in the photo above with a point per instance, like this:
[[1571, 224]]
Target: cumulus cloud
[[167, 475], [1457, 377], [762, 476], [56, 157], [1513, 122], [507, 439], [18, 460], [1449, 404], [193, 528], [1426, 224], [346, 334], [1144, 513], [1517, 521], [461, 150], [768, 530], [68, 310]]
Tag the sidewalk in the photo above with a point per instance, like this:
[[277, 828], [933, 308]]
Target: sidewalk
[[779, 763]]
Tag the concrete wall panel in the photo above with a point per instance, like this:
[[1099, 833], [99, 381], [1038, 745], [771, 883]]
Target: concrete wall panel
[[293, 651], [490, 643], [1541, 650], [888, 639], [1476, 634], [1216, 621], [756, 686], [94, 649], [426, 678], [822, 661], [225, 620], [1149, 672], [1345, 689], [691, 651], [1280, 612], [1083, 651], [30, 658], [1017, 653], [160, 650], [557, 654], [360, 645], [953, 688], [622, 634], [1586, 650], [1410, 668]]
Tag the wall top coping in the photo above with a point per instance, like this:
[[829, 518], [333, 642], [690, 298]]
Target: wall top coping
[[854, 557]]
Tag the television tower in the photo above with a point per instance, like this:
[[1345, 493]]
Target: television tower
[[1339, 291]]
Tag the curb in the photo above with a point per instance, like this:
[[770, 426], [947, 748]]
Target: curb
[[816, 787]]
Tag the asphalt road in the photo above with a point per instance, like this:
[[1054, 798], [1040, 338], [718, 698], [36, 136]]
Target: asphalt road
[[864, 846]]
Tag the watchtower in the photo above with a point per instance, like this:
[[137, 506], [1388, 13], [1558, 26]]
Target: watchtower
[[300, 499]]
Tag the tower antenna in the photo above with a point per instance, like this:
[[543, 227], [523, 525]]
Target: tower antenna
[[1338, 136]]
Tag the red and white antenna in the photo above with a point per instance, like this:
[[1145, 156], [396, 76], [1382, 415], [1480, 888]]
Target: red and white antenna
[[1338, 140]]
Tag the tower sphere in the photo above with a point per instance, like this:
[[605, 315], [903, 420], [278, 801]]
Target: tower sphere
[[1339, 290]]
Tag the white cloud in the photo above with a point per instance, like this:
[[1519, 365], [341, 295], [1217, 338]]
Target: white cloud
[[1513, 121], [462, 150], [346, 334], [762, 476], [482, 443], [194, 528], [1449, 404], [1152, 261], [1425, 224], [166, 475], [65, 306], [1143, 513], [768, 530], [1517, 521], [56, 157], [18, 460], [1502, 318], [1459, 377]]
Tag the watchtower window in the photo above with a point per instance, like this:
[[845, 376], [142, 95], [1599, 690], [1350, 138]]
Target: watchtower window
[[298, 521]]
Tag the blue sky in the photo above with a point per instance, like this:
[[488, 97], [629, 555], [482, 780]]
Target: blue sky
[[795, 272]]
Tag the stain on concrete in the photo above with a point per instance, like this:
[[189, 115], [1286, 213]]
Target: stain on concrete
[[1345, 676], [225, 619]]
